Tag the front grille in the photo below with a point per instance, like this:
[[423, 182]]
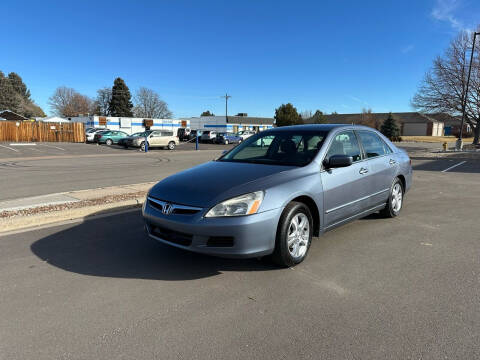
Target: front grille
[[172, 236], [155, 205], [176, 208], [220, 241]]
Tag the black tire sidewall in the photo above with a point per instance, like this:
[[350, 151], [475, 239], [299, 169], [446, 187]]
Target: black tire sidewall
[[281, 254], [389, 208]]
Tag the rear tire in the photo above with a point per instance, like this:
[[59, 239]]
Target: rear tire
[[294, 235], [142, 146], [226, 142], [171, 145], [395, 200], [109, 142]]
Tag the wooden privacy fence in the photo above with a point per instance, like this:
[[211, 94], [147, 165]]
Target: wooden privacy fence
[[31, 131]]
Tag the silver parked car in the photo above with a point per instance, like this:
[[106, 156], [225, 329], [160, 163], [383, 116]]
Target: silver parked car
[[155, 138], [208, 136], [277, 189]]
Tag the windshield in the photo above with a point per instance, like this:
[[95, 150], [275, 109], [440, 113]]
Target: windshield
[[294, 148]]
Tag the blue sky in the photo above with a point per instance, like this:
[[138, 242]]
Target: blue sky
[[329, 55]]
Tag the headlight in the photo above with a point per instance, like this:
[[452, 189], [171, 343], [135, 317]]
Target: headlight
[[247, 204]]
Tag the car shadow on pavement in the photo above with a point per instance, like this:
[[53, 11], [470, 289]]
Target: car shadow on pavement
[[116, 246]]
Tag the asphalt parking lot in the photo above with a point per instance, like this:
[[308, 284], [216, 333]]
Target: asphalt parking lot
[[374, 289], [19, 150], [403, 288], [41, 169], [32, 170]]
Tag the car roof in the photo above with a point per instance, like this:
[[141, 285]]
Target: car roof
[[320, 127]]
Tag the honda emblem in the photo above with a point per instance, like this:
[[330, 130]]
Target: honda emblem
[[167, 209]]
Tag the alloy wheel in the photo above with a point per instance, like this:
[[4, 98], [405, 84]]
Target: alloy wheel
[[397, 197], [298, 235]]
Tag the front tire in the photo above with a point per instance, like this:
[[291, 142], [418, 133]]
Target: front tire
[[142, 146], [395, 200], [226, 142], [109, 142], [171, 145], [294, 235]]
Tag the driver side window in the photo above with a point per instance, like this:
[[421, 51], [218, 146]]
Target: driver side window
[[345, 143]]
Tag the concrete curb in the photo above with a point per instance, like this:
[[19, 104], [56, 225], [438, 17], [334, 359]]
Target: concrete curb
[[13, 224], [52, 209]]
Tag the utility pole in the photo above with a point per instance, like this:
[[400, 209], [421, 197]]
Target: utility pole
[[465, 97], [226, 97]]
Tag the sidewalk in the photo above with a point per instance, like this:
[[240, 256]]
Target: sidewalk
[[46, 209]]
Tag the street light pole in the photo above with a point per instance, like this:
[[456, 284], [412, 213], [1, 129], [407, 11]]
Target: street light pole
[[465, 97], [226, 97]]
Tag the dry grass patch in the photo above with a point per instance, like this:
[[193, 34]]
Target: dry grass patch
[[435, 139]]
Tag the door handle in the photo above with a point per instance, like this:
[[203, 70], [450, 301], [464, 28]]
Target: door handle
[[392, 162], [363, 171]]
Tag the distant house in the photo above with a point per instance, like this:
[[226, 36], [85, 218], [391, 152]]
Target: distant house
[[10, 115], [452, 124], [410, 123]]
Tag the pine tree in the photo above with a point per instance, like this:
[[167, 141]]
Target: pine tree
[[389, 128], [9, 98], [121, 103], [286, 114], [19, 85]]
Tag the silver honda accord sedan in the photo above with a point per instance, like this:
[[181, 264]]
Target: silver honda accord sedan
[[273, 192]]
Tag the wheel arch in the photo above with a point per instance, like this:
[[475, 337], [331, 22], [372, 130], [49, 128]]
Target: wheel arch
[[403, 181], [312, 206]]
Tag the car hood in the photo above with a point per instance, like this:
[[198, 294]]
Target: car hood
[[212, 182]]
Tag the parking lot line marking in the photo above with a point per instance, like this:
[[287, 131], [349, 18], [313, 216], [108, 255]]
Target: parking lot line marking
[[7, 147], [51, 146], [23, 144], [454, 166]]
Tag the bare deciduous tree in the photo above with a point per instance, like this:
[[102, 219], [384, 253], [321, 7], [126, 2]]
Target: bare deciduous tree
[[102, 101], [149, 105], [369, 119], [69, 103], [444, 86], [306, 114]]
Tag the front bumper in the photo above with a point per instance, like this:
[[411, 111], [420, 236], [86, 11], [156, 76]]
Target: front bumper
[[235, 237]]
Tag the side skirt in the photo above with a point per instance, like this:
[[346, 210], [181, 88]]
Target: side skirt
[[355, 217]]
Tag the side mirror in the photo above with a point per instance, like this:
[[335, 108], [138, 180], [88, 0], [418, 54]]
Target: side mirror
[[224, 152], [337, 161]]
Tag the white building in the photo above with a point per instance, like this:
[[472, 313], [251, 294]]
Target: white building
[[232, 124], [54, 119], [131, 125]]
